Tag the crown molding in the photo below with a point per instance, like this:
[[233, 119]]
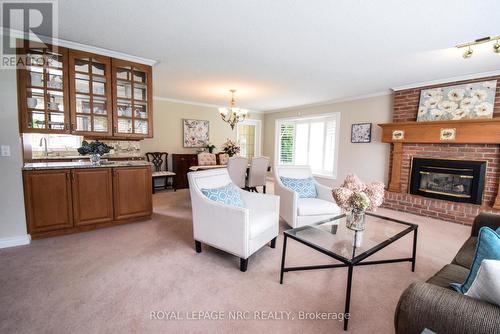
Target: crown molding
[[324, 103], [194, 103], [447, 80], [83, 47]]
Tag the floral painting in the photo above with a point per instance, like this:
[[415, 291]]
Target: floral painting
[[474, 100], [196, 133]]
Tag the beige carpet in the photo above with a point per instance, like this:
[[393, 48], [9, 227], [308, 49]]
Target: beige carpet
[[110, 280]]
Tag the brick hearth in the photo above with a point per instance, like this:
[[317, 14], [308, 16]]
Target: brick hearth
[[405, 110]]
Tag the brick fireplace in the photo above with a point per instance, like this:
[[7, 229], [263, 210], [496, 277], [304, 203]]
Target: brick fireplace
[[405, 110]]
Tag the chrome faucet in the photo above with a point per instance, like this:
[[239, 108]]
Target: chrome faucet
[[44, 141]]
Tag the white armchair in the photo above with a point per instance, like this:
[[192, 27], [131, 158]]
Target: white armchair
[[238, 231], [303, 211]]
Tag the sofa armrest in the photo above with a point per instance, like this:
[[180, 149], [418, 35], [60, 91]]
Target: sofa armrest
[[257, 201], [424, 305], [485, 219], [222, 226], [288, 201]]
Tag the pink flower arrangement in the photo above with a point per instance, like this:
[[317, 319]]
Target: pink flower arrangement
[[348, 194]]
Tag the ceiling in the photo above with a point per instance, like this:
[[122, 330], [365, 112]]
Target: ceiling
[[285, 53]]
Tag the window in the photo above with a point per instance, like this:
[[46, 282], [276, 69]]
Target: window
[[309, 141], [55, 142], [248, 137]]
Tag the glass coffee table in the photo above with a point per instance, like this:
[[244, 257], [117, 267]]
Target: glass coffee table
[[331, 237]]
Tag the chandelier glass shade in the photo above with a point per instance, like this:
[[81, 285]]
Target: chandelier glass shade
[[232, 115]]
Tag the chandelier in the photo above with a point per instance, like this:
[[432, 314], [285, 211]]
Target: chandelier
[[468, 53], [233, 115]]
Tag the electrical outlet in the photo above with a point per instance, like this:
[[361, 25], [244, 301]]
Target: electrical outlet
[[5, 151]]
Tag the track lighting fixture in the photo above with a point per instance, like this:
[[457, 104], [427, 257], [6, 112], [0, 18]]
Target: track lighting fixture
[[468, 53]]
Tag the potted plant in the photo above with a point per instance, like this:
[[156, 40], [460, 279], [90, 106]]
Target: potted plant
[[355, 198], [230, 147], [210, 148], [95, 149]]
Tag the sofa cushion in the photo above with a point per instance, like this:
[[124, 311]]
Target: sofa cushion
[[486, 286], [304, 187], [449, 274], [465, 255], [316, 206], [228, 194], [261, 220], [488, 248]]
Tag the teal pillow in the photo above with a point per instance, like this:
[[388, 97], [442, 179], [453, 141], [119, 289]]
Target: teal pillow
[[304, 187], [228, 194], [487, 248]]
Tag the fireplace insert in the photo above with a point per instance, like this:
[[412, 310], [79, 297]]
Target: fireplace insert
[[453, 180]]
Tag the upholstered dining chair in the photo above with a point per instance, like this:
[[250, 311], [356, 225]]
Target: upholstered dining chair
[[299, 210], [160, 170], [239, 228], [237, 169], [223, 158], [257, 174], [206, 159]]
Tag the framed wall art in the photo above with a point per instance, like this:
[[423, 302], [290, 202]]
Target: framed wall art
[[467, 101], [361, 133], [196, 132]]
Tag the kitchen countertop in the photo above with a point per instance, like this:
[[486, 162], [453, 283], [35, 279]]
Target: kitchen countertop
[[77, 157], [65, 165]]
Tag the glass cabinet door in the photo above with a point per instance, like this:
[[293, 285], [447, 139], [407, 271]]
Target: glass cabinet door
[[43, 89], [132, 99], [90, 79]]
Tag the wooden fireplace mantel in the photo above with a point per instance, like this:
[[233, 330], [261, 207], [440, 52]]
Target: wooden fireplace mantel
[[480, 131]]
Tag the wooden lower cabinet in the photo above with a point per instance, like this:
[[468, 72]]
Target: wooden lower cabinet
[[65, 201], [92, 195], [48, 200], [180, 166], [132, 192]]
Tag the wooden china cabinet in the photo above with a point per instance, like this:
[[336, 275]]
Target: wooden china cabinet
[[90, 94], [132, 99], [43, 89], [69, 91]]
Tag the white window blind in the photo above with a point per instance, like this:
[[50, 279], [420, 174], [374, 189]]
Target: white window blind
[[309, 141]]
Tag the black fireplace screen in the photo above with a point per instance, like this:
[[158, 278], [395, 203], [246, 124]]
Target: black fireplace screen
[[454, 180]]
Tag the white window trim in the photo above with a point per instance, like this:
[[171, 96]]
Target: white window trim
[[335, 115], [258, 134]]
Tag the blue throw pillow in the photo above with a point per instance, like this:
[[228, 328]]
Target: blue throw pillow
[[228, 194], [487, 248], [304, 187]]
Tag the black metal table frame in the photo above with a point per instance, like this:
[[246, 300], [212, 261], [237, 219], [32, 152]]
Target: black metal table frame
[[355, 261]]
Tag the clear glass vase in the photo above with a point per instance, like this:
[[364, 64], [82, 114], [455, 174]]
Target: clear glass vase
[[355, 220], [95, 159]]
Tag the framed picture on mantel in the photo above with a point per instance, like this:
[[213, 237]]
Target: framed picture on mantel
[[467, 101], [196, 133]]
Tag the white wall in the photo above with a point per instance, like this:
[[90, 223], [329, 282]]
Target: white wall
[[369, 161], [168, 128], [12, 217]]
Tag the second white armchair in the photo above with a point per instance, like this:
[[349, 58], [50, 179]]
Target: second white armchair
[[297, 211]]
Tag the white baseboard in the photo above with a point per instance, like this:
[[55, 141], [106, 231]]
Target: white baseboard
[[15, 241]]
